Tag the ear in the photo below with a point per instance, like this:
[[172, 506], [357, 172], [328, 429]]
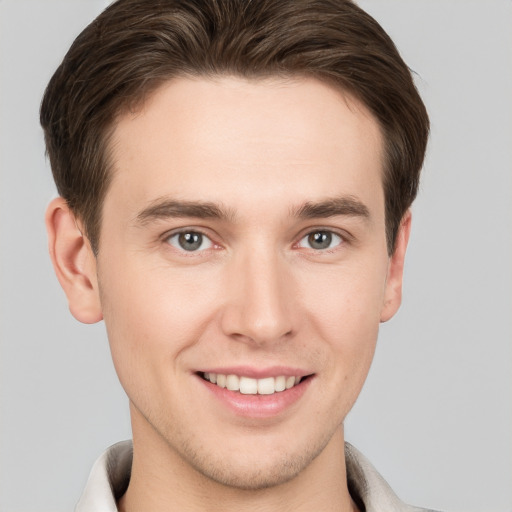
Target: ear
[[73, 262], [393, 291]]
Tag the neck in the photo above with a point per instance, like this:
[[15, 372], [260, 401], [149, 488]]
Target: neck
[[161, 481]]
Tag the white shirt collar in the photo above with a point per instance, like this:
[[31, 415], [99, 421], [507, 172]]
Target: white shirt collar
[[111, 473]]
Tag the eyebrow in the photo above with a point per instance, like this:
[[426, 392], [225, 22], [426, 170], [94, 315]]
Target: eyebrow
[[167, 208], [346, 205], [164, 208]]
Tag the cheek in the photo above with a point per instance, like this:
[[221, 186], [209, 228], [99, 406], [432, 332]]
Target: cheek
[[345, 299], [343, 307], [152, 315]]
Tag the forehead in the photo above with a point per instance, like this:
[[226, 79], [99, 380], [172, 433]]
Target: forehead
[[228, 138]]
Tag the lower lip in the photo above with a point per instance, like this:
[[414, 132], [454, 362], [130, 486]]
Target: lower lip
[[258, 406]]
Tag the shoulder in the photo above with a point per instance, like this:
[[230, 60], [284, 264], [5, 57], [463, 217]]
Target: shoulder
[[108, 479], [369, 489]]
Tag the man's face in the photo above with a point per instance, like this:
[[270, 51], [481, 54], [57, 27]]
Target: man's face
[[243, 234]]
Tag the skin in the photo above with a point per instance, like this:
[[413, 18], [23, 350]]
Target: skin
[[256, 293]]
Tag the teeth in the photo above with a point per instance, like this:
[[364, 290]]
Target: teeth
[[221, 380], [232, 383], [248, 386], [280, 383], [266, 386]]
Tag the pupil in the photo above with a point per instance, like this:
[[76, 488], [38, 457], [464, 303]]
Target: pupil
[[190, 241], [320, 240]]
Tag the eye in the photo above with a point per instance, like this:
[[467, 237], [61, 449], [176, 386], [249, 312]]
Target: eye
[[190, 241], [321, 240]]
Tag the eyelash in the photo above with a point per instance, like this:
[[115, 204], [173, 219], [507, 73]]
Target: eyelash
[[332, 236], [176, 234], [342, 240]]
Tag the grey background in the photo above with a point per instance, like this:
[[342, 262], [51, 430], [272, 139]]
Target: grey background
[[435, 416]]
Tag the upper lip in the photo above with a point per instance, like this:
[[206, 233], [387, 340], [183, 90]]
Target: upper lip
[[257, 373]]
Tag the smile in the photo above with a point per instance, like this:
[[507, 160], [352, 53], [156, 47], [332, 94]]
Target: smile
[[250, 386]]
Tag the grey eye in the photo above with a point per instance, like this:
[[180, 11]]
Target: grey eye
[[190, 241], [320, 240]]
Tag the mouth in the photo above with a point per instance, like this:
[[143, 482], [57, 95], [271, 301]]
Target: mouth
[[250, 386]]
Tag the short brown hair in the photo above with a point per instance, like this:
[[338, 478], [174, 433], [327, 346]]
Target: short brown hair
[[134, 46]]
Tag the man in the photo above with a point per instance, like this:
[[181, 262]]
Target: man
[[235, 182]]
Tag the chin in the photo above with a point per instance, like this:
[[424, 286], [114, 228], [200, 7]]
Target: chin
[[253, 478], [254, 469]]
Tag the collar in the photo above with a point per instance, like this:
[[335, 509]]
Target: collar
[[110, 476]]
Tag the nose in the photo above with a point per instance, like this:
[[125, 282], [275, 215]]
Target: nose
[[258, 306]]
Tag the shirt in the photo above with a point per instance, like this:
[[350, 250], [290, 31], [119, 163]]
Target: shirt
[[110, 476]]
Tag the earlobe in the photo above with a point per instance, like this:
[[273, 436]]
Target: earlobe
[[393, 291], [73, 261]]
